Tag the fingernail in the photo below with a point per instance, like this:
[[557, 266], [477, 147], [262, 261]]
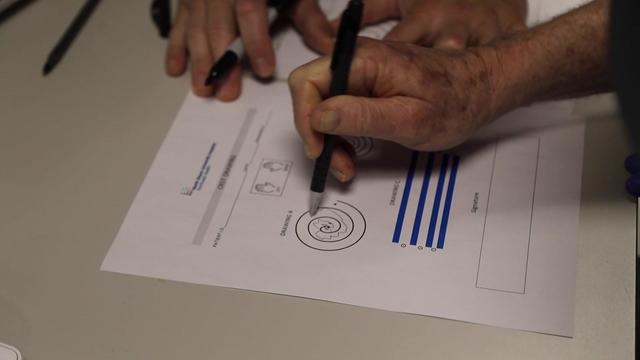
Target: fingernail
[[262, 68], [174, 65], [339, 175], [328, 121], [308, 151]]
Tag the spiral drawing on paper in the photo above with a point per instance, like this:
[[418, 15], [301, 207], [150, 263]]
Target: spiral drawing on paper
[[335, 227], [362, 146]]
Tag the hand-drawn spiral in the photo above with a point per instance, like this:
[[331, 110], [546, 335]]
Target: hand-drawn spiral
[[332, 225], [332, 228], [361, 145]]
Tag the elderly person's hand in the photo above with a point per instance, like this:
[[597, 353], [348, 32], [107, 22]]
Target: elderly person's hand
[[424, 99], [204, 28], [434, 99]]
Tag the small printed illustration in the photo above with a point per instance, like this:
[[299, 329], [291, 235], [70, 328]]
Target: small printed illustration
[[335, 227], [265, 188], [271, 178], [362, 146], [274, 165]]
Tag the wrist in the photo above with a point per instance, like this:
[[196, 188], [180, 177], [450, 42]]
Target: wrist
[[561, 59], [500, 70]]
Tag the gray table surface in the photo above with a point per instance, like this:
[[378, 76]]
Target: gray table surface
[[75, 147]]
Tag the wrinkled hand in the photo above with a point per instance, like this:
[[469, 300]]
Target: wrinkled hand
[[452, 24], [425, 99], [203, 29]]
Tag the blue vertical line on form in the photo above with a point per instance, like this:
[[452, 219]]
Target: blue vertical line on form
[[405, 197], [436, 201], [447, 202], [423, 196]]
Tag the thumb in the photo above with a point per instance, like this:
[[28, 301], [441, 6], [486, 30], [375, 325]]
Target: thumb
[[396, 118], [452, 37]]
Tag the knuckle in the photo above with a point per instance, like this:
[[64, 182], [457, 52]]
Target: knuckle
[[361, 115], [197, 35], [452, 42], [370, 118], [220, 30], [295, 77]]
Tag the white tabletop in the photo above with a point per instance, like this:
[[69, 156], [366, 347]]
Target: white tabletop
[[75, 147]]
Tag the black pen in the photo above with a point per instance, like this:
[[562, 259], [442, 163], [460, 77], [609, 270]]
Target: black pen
[[69, 35], [8, 8], [235, 50], [340, 66], [161, 16]]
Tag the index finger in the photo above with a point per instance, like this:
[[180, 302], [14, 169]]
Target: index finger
[[254, 27], [309, 83], [221, 30]]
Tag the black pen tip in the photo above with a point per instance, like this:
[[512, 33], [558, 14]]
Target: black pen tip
[[226, 62], [47, 69], [210, 79]]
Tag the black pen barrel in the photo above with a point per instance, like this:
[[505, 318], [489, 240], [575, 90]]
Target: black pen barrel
[[321, 166], [70, 34], [340, 67], [77, 24]]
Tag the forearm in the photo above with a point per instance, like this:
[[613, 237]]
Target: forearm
[[566, 57]]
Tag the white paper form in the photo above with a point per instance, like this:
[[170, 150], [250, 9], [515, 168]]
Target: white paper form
[[484, 233], [541, 11]]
